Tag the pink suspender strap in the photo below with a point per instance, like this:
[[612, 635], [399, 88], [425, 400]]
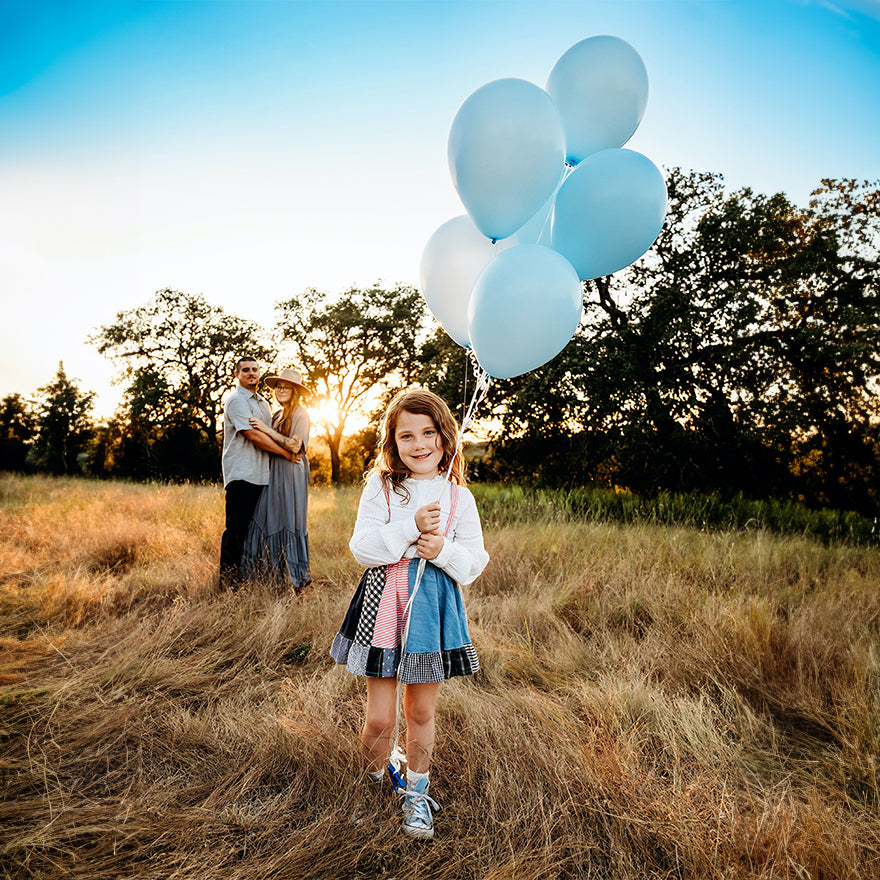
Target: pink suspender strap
[[453, 504]]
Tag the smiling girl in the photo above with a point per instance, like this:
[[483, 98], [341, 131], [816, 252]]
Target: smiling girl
[[409, 511]]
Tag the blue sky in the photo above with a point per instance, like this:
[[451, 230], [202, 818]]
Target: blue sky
[[247, 149]]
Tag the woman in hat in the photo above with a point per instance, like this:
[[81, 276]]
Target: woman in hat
[[278, 539]]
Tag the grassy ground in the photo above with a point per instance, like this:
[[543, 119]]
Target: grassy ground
[[655, 702]]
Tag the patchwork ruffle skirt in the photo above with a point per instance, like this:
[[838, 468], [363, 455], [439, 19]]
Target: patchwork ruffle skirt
[[438, 645]]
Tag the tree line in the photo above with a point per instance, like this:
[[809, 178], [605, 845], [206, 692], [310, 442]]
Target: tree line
[[740, 355]]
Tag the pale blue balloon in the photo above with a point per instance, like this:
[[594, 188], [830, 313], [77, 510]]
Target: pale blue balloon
[[600, 86], [524, 308], [506, 154], [608, 212], [453, 258]]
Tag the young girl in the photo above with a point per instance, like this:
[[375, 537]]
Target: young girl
[[409, 511]]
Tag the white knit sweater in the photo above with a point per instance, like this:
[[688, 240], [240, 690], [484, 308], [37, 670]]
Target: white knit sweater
[[376, 541]]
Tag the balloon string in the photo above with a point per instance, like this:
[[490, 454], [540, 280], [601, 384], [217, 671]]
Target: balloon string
[[544, 224], [481, 388], [464, 395], [565, 173]]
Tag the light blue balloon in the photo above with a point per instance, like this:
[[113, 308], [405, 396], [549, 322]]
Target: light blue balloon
[[506, 154], [523, 310], [608, 212], [600, 86]]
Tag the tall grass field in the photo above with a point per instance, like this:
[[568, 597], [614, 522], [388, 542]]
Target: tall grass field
[[655, 701]]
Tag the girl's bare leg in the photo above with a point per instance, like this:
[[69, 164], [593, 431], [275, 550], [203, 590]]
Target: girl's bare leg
[[379, 722], [418, 706]]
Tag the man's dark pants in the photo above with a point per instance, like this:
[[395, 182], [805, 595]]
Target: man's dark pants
[[241, 501]]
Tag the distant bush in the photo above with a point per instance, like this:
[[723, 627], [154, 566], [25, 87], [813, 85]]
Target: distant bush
[[501, 504]]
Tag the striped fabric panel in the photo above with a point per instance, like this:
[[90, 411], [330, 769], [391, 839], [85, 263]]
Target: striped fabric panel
[[386, 632]]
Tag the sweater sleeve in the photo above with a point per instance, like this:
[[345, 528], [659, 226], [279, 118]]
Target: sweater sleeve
[[463, 556], [375, 540]]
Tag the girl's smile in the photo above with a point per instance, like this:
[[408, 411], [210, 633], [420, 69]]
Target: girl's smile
[[418, 445]]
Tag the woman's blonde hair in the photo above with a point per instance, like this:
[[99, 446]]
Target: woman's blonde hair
[[421, 402]]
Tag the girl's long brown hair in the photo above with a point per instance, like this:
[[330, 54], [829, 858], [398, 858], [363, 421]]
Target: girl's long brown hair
[[421, 402]]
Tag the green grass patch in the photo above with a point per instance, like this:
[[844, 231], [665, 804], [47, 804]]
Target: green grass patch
[[502, 504]]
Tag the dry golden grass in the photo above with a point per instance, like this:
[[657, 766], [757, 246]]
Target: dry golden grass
[[654, 703]]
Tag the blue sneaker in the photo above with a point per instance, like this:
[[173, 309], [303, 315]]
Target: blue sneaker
[[417, 805]]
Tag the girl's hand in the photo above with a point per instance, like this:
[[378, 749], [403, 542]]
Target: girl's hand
[[260, 426], [428, 519], [429, 545]]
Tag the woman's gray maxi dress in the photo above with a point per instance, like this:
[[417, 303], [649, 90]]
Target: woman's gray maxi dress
[[277, 543]]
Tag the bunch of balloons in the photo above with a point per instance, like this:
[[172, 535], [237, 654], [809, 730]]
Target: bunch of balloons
[[551, 200]]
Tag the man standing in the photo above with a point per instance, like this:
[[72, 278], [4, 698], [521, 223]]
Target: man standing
[[245, 464]]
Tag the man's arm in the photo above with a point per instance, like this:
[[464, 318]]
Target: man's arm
[[293, 443], [261, 440]]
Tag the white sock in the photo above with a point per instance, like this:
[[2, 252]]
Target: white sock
[[376, 775], [412, 777]]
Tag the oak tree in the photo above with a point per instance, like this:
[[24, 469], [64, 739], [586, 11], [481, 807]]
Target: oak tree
[[353, 349]]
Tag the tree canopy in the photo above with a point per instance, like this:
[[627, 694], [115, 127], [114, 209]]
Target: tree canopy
[[177, 354], [741, 354], [353, 348], [64, 425], [17, 432]]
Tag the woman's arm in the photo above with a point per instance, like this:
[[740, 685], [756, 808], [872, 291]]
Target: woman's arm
[[266, 443], [293, 443]]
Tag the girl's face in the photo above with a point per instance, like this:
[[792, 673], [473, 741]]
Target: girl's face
[[418, 445], [283, 392]]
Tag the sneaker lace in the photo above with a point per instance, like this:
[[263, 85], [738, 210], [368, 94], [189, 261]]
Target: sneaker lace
[[419, 806]]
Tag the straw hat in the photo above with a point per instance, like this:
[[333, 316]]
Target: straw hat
[[286, 375]]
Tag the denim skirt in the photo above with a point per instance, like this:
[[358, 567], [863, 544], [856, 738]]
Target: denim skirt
[[438, 645]]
